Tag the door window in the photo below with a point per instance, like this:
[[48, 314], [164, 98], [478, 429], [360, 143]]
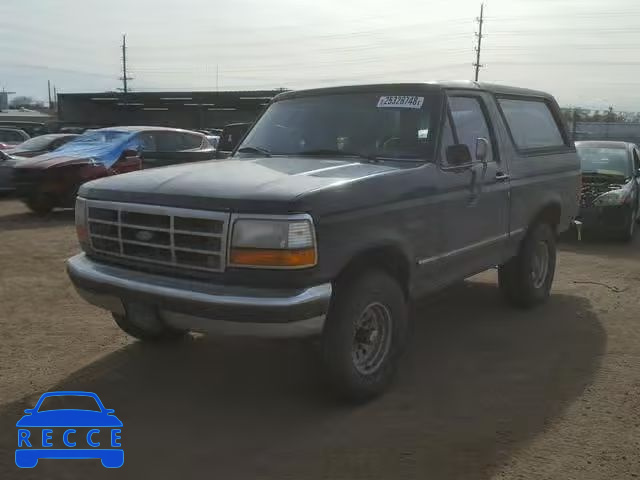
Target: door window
[[531, 123], [191, 141], [169, 141], [636, 160], [470, 124], [147, 142]]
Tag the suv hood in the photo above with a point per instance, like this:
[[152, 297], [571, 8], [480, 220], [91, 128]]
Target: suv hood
[[260, 184]]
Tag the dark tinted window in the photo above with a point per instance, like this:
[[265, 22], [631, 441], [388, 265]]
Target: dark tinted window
[[191, 141], [146, 141], [169, 141], [470, 123], [231, 135], [531, 123], [11, 136], [636, 160]]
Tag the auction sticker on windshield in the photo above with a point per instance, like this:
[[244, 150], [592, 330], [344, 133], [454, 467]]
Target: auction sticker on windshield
[[401, 101]]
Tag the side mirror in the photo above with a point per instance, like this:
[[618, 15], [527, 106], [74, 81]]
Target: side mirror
[[29, 411], [109, 411], [3, 156], [482, 149], [458, 155]]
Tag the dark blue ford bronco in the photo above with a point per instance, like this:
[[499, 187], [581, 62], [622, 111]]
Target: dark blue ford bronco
[[339, 207]]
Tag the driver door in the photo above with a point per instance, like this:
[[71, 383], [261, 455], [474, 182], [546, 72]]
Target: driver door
[[476, 196]]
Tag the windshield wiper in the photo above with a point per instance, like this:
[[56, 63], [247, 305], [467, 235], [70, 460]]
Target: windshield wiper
[[336, 152], [261, 150]]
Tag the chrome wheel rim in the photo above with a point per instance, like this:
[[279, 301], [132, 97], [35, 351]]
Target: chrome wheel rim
[[371, 338], [540, 264]]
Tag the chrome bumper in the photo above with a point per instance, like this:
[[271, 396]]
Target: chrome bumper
[[200, 306]]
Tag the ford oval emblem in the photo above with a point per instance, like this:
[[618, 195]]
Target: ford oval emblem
[[144, 235]]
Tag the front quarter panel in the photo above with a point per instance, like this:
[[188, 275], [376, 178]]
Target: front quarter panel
[[395, 210]]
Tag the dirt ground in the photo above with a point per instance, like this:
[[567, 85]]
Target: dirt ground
[[485, 391]]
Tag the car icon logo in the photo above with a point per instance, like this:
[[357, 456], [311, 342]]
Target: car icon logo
[[144, 235], [69, 433]]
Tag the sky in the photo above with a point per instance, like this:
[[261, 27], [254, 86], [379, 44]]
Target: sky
[[581, 51]]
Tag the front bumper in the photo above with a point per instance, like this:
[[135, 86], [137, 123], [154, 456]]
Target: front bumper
[[613, 218], [201, 306]]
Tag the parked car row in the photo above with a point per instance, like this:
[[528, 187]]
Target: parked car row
[[46, 171]]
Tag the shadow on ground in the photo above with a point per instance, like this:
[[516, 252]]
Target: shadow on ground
[[593, 243], [30, 220], [479, 380]]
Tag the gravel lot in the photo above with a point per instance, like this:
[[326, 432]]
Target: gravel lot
[[485, 391]]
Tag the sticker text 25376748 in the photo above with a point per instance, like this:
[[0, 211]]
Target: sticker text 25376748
[[400, 101]]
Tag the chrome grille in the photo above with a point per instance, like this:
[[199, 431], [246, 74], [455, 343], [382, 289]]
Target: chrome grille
[[188, 239]]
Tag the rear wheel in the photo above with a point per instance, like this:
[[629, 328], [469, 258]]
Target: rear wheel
[[526, 279], [143, 323], [364, 335]]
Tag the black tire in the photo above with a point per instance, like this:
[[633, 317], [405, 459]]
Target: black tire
[[379, 295], [516, 277], [39, 204], [144, 328]]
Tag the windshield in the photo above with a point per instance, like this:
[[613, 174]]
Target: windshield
[[605, 161], [365, 124], [37, 143], [100, 137]]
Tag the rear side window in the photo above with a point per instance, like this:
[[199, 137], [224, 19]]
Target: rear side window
[[169, 141], [531, 123], [191, 141]]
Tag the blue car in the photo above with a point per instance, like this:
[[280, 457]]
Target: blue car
[[41, 426], [52, 180]]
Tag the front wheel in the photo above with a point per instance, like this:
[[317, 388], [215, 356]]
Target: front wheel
[[364, 335], [526, 279], [40, 203]]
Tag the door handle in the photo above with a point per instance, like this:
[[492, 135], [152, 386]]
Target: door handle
[[501, 176]]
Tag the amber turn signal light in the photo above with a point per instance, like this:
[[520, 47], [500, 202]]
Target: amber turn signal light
[[253, 257]]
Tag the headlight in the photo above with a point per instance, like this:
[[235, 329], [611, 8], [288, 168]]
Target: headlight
[[614, 197], [286, 242], [81, 222]]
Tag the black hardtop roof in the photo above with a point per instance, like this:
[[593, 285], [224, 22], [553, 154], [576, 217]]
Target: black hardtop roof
[[426, 86]]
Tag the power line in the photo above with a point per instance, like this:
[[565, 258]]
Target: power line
[[480, 21]]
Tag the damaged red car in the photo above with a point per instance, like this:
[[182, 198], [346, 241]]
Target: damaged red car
[[52, 180]]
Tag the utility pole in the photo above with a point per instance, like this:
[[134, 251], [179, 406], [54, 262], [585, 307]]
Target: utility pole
[[480, 21], [49, 90], [124, 76]]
